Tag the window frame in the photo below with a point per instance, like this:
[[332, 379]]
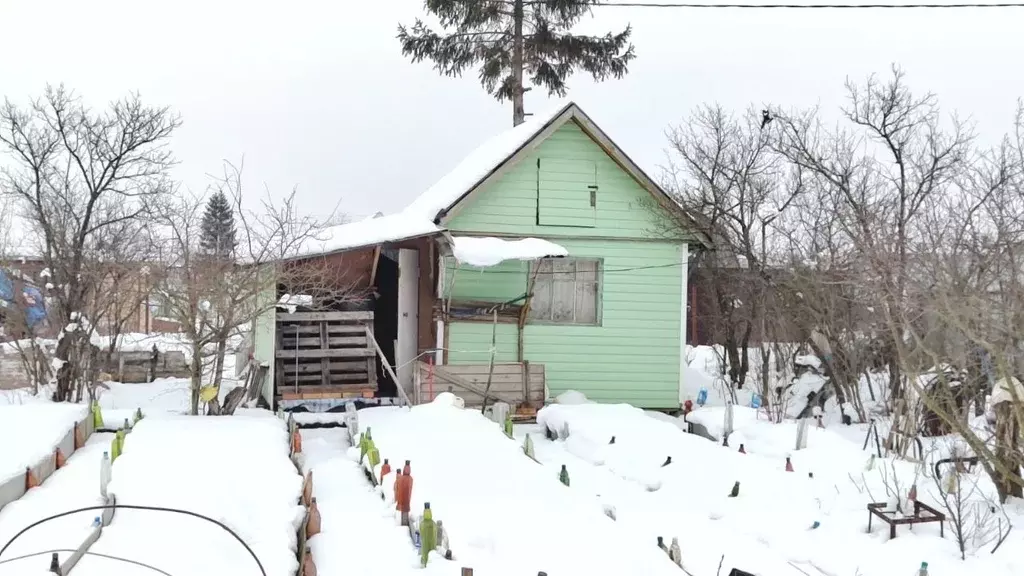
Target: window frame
[[536, 273]]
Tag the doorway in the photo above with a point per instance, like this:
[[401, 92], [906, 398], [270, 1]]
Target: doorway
[[385, 318]]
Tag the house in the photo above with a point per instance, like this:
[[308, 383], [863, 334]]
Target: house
[[546, 261]]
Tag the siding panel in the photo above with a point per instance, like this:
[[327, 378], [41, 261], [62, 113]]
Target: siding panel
[[624, 209], [633, 356]]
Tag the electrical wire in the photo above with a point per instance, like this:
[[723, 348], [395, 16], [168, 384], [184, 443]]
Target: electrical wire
[[683, 5], [87, 553], [143, 508], [602, 270]]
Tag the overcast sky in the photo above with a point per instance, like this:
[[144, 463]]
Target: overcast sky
[[316, 94]]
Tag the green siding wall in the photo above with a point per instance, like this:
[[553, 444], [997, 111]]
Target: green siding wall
[[634, 355], [623, 208]]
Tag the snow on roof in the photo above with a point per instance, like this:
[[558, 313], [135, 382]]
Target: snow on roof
[[391, 228], [481, 162], [483, 252]]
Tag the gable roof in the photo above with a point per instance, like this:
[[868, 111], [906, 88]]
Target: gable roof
[[490, 160]]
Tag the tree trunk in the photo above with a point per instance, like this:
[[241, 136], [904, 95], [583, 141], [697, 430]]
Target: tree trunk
[[218, 365], [197, 378], [518, 108], [1008, 481]]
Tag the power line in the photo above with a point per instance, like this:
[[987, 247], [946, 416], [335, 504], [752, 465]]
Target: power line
[[804, 6], [469, 269]]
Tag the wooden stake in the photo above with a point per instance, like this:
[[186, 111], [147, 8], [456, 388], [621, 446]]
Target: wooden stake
[[30, 479], [307, 488], [59, 458]]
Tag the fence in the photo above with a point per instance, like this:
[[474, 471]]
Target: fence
[[75, 439], [15, 487], [310, 525]]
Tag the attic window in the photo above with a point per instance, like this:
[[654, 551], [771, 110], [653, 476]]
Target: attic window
[[567, 193]]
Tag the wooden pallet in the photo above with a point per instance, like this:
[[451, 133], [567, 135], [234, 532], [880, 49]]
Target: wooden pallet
[[325, 355]]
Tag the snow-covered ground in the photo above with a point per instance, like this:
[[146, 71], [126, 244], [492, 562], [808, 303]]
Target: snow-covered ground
[[233, 469], [360, 533], [504, 513], [75, 485], [769, 528], [30, 430]]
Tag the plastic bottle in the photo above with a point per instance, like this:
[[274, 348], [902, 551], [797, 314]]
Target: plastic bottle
[[428, 533], [674, 553], [104, 473]]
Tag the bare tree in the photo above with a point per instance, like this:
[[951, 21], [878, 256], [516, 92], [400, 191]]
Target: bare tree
[[76, 173], [216, 298], [723, 168], [882, 176]]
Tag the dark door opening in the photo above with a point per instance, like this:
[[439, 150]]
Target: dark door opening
[[385, 319]]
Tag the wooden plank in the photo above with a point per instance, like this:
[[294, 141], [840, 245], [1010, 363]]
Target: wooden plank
[[325, 317], [320, 392], [373, 267], [332, 342], [440, 372], [506, 384], [325, 372], [345, 329], [307, 367], [293, 329], [339, 377], [290, 330], [336, 353]]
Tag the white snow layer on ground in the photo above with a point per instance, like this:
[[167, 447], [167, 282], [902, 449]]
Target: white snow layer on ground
[[505, 515], [767, 529], [360, 533], [76, 485], [475, 167], [234, 469], [488, 251], [31, 430]]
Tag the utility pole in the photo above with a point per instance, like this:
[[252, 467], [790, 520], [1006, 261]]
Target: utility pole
[[518, 109]]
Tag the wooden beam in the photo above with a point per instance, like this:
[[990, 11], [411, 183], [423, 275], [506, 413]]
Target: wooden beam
[[325, 316], [337, 353], [373, 269]]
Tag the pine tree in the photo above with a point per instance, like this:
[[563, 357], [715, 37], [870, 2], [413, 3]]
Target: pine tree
[[218, 233], [511, 38]]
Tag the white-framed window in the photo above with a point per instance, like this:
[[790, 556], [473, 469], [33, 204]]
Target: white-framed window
[[566, 291]]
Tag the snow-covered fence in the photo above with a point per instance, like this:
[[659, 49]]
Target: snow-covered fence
[[310, 525], [36, 473]]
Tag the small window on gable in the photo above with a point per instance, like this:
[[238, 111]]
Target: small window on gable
[[566, 193], [566, 291]]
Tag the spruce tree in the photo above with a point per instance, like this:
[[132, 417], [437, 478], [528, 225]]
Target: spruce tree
[[512, 38], [218, 233]]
